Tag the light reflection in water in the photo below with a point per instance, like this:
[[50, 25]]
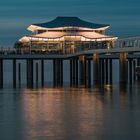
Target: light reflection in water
[[61, 113], [70, 114]]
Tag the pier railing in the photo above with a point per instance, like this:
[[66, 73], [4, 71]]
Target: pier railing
[[79, 59], [120, 43]]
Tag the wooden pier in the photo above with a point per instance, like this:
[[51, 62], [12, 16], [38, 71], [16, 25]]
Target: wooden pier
[[83, 64]]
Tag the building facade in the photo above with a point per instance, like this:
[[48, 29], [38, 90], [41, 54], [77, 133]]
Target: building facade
[[67, 35]]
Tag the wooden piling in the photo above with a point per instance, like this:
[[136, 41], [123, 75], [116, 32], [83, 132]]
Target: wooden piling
[[61, 72], [54, 72], [1, 73], [138, 64], [42, 72], [57, 72], [19, 75], [82, 70], [29, 73], [134, 70], [102, 71], [36, 75], [123, 68], [71, 73], [76, 65], [96, 74], [110, 71], [14, 74], [89, 73], [130, 71], [106, 70]]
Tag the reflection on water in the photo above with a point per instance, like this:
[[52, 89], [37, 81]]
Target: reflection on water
[[70, 114]]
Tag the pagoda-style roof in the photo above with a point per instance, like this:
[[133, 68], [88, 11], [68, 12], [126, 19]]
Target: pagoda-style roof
[[69, 22], [88, 35], [56, 36]]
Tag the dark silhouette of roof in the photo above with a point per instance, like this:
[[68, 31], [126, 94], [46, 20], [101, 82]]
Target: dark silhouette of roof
[[70, 21]]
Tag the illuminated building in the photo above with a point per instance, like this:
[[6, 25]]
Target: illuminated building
[[68, 35]]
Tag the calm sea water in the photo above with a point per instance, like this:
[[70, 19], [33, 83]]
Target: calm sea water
[[70, 114], [107, 113]]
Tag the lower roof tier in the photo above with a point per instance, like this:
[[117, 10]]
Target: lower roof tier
[[68, 36]]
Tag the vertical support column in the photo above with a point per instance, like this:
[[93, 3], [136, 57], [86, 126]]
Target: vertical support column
[[130, 71], [82, 68], [106, 70], [123, 68], [14, 74], [134, 70], [29, 73], [102, 71], [36, 75], [85, 72], [74, 72], [1, 73], [96, 74], [61, 72], [89, 73], [54, 72], [71, 73], [76, 66], [19, 75], [58, 72], [110, 71], [42, 73], [138, 64]]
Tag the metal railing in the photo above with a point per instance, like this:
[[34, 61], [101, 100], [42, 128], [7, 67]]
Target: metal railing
[[120, 43], [128, 42]]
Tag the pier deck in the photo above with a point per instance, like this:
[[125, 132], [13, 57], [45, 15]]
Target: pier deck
[[80, 65]]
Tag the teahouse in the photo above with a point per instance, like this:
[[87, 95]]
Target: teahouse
[[67, 35]]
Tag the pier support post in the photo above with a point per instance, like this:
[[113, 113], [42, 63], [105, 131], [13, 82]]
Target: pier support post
[[134, 70], [123, 68], [89, 73], [61, 72], [102, 71], [96, 74], [106, 71], [74, 72], [54, 72], [110, 71], [42, 73], [71, 73], [130, 71], [138, 64], [82, 70], [76, 66], [14, 74], [1, 73], [19, 75], [57, 72], [36, 75], [29, 73]]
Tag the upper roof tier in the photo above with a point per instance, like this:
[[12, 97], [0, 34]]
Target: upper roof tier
[[67, 22]]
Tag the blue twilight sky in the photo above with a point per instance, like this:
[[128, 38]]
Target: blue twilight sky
[[16, 15]]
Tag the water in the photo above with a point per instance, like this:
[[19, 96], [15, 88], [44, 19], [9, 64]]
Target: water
[[70, 114]]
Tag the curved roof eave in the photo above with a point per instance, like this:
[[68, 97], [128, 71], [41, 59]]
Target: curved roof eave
[[69, 22], [56, 35]]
